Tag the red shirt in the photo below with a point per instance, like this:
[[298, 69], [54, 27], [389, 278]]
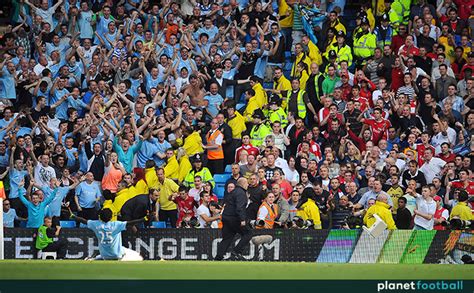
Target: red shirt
[[449, 158], [459, 184], [438, 215], [397, 79], [286, 189], [397, 42], [420, 149], [363, 102], [185, 207], [251, 150], [464, 8], [409, 51], [379, 128]]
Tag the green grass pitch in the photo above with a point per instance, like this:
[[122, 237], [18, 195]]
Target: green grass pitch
[[174, 270]]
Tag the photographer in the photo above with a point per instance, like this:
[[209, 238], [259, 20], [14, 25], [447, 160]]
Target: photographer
[[283, 206], [267, 212], [461, 210], [307, 209]]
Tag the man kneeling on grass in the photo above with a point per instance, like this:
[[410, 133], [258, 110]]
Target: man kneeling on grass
[[109, 235]]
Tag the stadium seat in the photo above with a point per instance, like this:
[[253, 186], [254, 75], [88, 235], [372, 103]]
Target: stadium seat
[[287, 54], [228, 169], [221, 178], [268, 85], [67, 224], [239, 106], [219, 191], [158, 225]]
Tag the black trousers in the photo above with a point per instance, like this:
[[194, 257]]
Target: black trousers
[[89, 214], [60, 247], [216, 166], [172, 216], [230, 227]]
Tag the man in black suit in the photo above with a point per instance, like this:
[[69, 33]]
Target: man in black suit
[[140, 206], [233, 221]]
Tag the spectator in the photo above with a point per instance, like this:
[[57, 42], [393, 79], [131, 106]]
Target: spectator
[[9, 215], [382, 209], [403, 218], [425, 210]]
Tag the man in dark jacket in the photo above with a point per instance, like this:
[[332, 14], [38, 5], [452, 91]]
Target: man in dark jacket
[[140, 206], [233, 221]]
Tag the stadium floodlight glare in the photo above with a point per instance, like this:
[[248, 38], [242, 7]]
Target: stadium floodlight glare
[[1, 229]]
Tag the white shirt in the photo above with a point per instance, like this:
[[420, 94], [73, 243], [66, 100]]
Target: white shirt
[[203, 210], [425, 207], [432, 168], [195, 193], [439, 138], [43, 175]]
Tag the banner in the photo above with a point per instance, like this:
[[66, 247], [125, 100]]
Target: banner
[[325, 246]]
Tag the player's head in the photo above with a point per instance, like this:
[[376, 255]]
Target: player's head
[[105, 215]]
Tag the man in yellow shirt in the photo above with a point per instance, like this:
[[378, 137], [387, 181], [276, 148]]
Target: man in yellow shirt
[[462, 210], [168, 188], [172, 165], [382, 209], [192, 142], [236, 121], [257, 98]]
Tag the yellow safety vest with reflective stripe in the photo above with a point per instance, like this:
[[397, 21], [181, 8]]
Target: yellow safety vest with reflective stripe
[[343, 54], [300, 103], [279, 115], [365, 45], [258, 134], [402, 9]]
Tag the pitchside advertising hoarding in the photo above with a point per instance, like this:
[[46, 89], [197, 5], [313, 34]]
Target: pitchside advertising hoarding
[[335, 246]]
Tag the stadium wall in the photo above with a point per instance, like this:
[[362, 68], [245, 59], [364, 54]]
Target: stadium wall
[[335, 246]]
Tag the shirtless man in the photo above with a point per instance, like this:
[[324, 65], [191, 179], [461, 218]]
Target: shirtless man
[[195, 92]]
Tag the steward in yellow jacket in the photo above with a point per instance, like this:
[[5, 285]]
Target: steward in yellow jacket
[[382, 209], [172, 165], [342, 50], [300, 57], [235, 121], [310, 211], [312, 51], [365, 43]]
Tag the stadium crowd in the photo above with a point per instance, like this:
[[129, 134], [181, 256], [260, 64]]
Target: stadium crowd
[[323, 116]]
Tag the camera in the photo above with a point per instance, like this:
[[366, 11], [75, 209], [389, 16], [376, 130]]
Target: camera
[[257, 223], [299, 223], [191, 223], [458, 224], [353, 222]]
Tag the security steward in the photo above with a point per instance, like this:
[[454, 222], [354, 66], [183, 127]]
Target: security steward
[[45, 241], [259, 130], [233, 222], [215, 151], [276, 112], [365, 43], [297, 101]]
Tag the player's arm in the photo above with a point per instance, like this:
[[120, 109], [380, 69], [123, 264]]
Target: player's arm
[[138, 221], [78, 219]]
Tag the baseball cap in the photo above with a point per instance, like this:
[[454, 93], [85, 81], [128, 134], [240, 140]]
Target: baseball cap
[[437, 198]]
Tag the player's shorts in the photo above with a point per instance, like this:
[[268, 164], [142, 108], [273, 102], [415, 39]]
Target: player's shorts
[[128, 255]]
